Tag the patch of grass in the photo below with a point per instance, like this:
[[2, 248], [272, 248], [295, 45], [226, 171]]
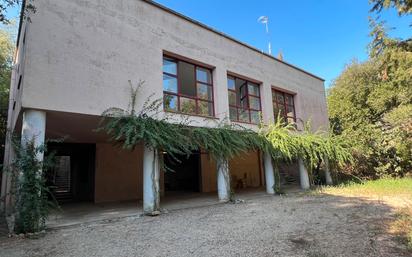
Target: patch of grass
[[402, 226], [374, 188], [400, 190]]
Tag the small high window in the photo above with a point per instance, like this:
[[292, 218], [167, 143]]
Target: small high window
[[244, 100], [187, 88], [284, 106]]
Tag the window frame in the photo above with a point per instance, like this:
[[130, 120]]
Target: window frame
[[196, 98], [246, 96], [276, 91]]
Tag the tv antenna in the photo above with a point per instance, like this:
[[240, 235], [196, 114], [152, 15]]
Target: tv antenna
[[265, 20]]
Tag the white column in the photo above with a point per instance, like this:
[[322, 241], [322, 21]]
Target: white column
[[304, 176], [34, 128], [269, 175], [328, 176], [151, 177], [223, 180]]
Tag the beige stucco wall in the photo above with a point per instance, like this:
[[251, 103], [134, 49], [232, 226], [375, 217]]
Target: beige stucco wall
[[208, 171], [80, 55], [118, 174]]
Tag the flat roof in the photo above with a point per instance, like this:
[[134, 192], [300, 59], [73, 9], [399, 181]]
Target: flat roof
[[164, 8]]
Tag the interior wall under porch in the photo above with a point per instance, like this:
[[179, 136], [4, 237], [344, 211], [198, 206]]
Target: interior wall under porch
[[119, 173], [246, 171]]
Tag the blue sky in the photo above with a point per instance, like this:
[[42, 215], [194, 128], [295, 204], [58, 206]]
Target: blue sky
[[320, 36]]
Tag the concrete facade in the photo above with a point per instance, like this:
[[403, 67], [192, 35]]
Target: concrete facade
[[74, 60], [84, 52]]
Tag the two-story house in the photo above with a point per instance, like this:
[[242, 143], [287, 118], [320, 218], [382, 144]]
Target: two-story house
[[74, 59]]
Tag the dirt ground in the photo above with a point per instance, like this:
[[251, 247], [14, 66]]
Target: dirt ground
[[294, 225]]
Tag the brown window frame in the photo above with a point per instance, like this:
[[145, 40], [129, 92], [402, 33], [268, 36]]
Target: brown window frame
[[196, 98], [247, 95], [284, 104]]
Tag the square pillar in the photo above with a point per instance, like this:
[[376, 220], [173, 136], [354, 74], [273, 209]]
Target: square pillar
[[269, 175], [328, 176], [304, 176], [34, 128], [223, 180], [151, 178]]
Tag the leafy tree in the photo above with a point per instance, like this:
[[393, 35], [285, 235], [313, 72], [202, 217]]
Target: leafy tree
[[370, 102], [6, 56], [5, 5], [402, 6]]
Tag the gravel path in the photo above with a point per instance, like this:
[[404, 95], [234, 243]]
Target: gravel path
[[311, 226]]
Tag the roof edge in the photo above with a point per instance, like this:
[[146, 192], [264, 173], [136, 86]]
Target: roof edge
[[23, 5], [164, 8]]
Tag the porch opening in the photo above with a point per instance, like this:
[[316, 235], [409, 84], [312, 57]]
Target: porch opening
[[246, 171], [182, 175], [72, 178], [289, 175]]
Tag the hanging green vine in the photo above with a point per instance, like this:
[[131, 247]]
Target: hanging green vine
[[282, 141]]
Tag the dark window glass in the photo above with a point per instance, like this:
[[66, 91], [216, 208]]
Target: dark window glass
[[205, 108], [169, 66], [169, 83], [187, 80], [253, 89], [187, 88], [244, 100], [187, 105], [231, 83], [203, 75], [170, 102], [284, 106], [204, 91]]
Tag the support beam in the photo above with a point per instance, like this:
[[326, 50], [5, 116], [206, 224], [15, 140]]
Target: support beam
[[223, 180], [304, 176], [328, 176], [269, 175], [151, 178]]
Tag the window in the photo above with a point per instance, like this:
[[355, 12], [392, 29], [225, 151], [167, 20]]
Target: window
[[187, 88], [284, 106], [244, 100], [19, 84]]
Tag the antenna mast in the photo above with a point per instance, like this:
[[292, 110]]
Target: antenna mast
[[265, 20]]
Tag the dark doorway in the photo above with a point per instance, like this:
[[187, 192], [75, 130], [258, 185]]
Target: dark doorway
[[72, 178], [183, 174]]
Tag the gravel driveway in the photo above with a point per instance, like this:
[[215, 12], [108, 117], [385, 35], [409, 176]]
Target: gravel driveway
[[296, 225]]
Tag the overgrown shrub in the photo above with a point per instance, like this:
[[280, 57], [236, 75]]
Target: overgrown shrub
[[33, 202]]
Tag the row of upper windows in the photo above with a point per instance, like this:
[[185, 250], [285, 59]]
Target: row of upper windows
[[188, 88]]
